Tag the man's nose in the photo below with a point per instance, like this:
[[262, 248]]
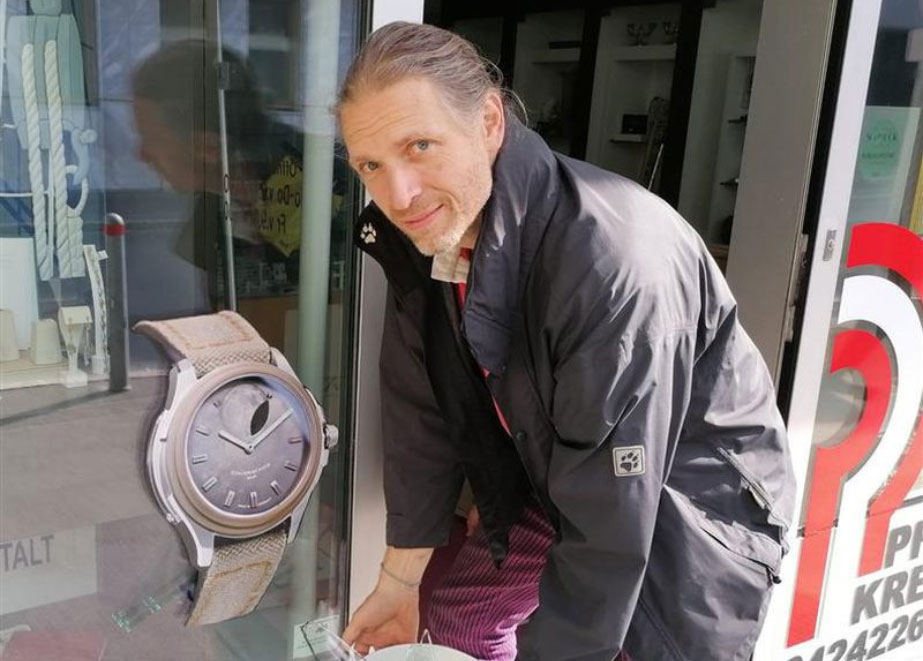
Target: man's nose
[[404, 187]]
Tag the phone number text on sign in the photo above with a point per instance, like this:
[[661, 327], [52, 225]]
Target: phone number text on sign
[[873, 642]]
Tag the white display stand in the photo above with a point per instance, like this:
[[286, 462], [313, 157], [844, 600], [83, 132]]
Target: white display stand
[[73, 322], [18, 291], [9, 350], [99, 361], [46, 343], [41, 365]]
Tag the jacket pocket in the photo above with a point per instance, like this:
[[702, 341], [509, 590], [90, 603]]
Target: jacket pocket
[[748, 545], [707, 584], [759, 494]]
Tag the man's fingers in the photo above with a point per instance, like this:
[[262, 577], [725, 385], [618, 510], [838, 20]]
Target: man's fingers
[[352, 631], [363, 637], [383, 636], [358, 623]]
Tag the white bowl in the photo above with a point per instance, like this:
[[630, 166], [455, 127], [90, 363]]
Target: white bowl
[[418, 652]]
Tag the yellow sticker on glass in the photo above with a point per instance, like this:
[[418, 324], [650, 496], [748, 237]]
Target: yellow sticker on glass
[[279, 207]]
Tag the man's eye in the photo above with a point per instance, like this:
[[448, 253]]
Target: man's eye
[[421, 145], [368, 167]]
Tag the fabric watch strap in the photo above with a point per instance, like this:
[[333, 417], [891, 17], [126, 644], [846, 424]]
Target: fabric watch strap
[[237, 578], [209, 340], [240, 570]]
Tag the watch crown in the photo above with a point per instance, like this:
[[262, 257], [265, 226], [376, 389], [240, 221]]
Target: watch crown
[[331, 436]]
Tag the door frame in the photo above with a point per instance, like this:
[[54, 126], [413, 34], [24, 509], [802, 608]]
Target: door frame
[[768, 240], [810, 355]]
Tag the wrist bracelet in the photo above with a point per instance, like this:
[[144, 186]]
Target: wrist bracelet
[[394, 577]]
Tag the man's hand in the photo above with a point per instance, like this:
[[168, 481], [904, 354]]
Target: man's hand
[[389, 616]]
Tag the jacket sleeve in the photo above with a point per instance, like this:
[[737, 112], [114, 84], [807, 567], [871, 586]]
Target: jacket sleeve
[[422, 474], [620, 395]]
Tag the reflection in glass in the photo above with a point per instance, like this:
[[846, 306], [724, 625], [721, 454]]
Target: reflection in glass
[[116, 107]]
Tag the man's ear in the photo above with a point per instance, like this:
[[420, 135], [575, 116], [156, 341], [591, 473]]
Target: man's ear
[[494, 122]]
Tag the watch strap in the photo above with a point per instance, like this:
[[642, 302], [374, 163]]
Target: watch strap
[[238, 576], [209, 340]]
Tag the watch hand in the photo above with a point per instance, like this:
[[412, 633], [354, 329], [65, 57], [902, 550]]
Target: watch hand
[[256, 440], [236, 441]]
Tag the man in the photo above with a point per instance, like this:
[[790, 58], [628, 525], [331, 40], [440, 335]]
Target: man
[[582, 368]]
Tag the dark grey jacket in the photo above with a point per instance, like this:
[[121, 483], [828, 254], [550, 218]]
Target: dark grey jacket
[[640, 411]]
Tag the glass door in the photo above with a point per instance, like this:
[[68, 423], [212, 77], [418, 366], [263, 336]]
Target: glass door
[[161, 159], [852, 582]]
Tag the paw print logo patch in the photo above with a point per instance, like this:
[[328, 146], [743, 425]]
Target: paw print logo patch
[[628, 460], [368, 233]]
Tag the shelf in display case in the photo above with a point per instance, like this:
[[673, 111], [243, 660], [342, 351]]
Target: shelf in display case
[[557, 56], [644, 53], [628, 137]]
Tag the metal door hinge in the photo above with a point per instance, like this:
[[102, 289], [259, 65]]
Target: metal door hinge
[[829, 245], [796, 285]]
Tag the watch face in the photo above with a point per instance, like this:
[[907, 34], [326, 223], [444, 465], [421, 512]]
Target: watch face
[[248, 443]]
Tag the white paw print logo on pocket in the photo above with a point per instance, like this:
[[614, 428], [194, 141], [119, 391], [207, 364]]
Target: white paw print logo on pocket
[[367, 234], [628, 460]]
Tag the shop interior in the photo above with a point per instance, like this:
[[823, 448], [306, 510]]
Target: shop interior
[[657, 92]]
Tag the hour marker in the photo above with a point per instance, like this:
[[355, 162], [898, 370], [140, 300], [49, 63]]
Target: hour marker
[[199, 458], [294, 439], [212, 481], [216, 403], [275, 487], [289, 465], [229, 498], [253, 499], [202, 429]]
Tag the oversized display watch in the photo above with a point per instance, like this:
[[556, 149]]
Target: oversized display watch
[[233, 457]]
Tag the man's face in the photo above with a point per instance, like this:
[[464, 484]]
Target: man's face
[[426, 167]]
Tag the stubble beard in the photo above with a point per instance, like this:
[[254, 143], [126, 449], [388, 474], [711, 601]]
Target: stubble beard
[[477, 186], [445, 240]]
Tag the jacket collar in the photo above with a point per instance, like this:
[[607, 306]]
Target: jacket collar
[[520, 206], [521, 203]]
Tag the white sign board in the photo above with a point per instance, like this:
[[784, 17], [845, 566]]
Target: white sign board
[[47, 568]]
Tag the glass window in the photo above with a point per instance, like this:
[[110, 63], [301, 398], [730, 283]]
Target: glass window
[[856, 423], [884, 219], [206, 127]]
